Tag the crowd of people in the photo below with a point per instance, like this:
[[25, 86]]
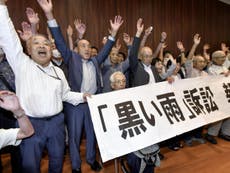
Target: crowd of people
[[54, 77]]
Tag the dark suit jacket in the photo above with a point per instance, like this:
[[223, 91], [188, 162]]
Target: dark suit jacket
[[74, 61], [138, 74]]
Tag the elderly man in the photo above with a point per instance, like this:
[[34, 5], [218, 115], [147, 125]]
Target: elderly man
[[221, 128], [41, 88], [143, 160], [83, 76]]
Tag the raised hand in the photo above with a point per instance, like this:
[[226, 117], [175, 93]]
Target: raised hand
[[33, 19], [163, 37], [180, 46], [196, 39], [115, 25], [148, 31], [140, 27], [104, 40], [32, 16], [80, 27], [146, 35], [127, 39], [47, 7], [26, 32], [69, 31], [224, 47]]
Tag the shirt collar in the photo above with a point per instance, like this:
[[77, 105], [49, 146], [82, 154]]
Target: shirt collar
[[86, 61], [47, 67], [146, 66]]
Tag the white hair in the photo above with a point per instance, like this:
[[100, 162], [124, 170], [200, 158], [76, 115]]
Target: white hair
[[113, 76]]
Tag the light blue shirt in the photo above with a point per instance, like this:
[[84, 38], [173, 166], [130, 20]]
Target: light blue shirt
[[89, 83]]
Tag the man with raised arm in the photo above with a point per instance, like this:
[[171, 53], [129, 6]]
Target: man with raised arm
[[142, 71], [41, 88], [84, 75]]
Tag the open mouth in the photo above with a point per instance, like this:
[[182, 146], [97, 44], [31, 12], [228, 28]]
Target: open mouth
[[42, 53]]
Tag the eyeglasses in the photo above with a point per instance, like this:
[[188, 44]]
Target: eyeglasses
[[147, 56], [120, 81], [201, 61], [221, 57]]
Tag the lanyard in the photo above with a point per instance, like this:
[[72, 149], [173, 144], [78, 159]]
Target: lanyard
[[55, 77]]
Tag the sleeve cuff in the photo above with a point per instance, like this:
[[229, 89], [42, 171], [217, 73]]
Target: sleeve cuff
[[52, 23], [111, 38]]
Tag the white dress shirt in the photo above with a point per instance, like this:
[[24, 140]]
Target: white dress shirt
[[193, 72], [197, 73], [40, 94], [150, 72], [217, 69], [227, 61]]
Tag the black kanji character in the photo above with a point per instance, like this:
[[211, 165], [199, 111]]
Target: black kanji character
[[194, 100], [129, 119], [207, 97], [151, 119], [226, 87], [171, 107]]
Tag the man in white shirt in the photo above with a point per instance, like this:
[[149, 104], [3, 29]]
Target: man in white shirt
[[41, 88], [9, 101], [219, 128]]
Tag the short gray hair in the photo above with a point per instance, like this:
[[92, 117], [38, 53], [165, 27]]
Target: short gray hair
[[218, 54], [113, 76]]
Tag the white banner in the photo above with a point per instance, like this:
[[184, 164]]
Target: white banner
[[131, 119]]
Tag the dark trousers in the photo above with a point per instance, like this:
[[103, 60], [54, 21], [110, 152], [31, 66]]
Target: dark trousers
[[77, 118], [197, 133], [134, 163], [8, 121], [49, 134]]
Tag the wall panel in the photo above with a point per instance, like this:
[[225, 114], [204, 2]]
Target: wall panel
[[181, 19]]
